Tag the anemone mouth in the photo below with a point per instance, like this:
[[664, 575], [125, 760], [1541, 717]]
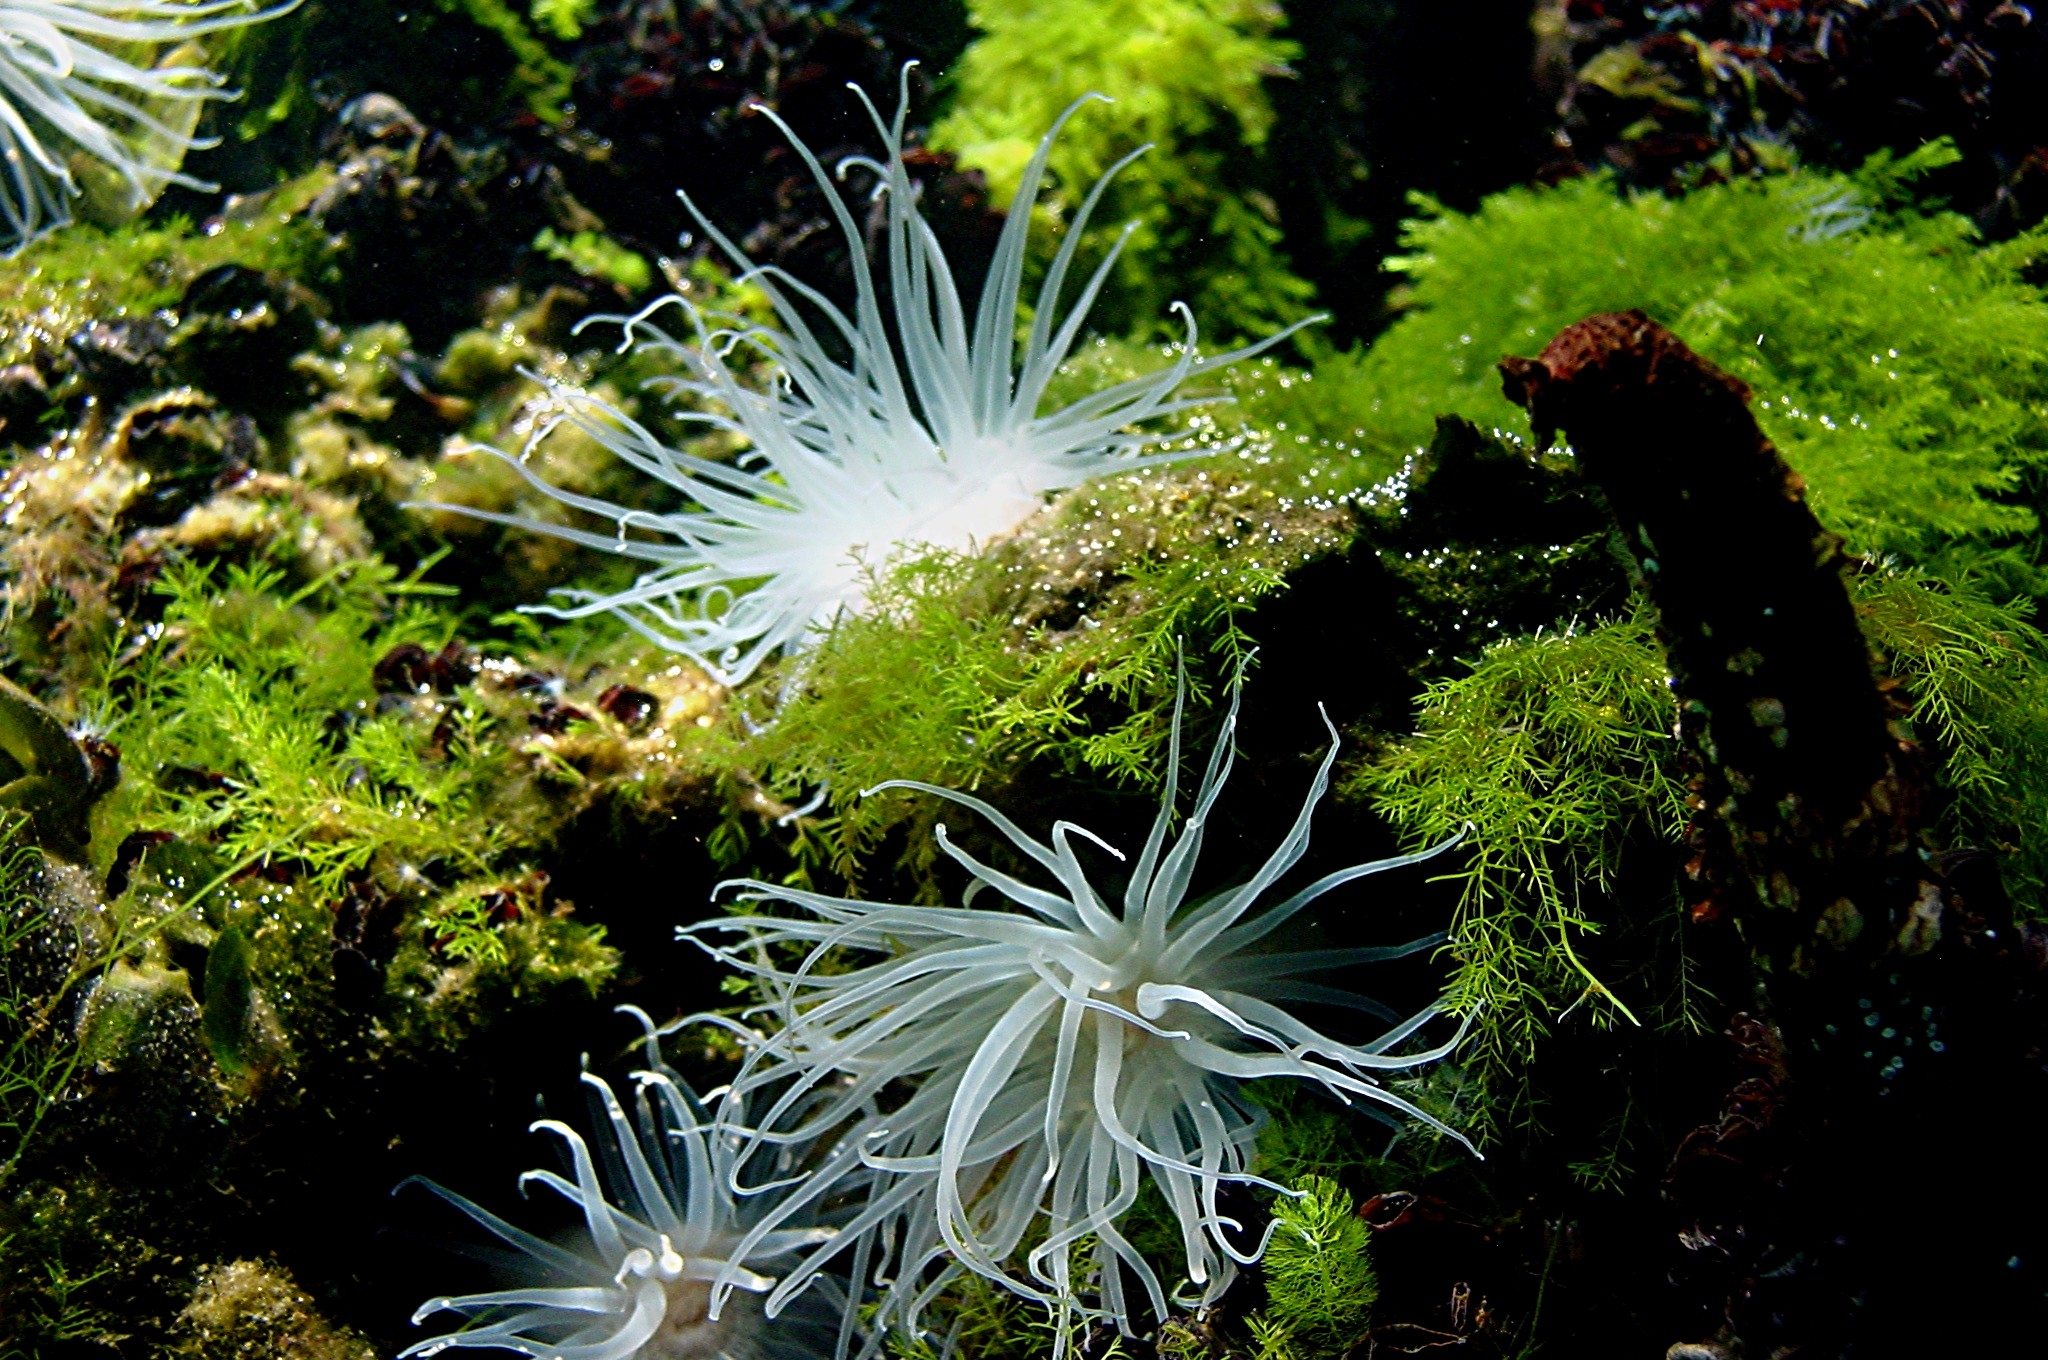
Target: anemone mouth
[[688, 1331], [974, 516]]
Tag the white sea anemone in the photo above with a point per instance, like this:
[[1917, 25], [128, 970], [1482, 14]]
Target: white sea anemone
[[863, 445], [1058, 1051], [667, 1248], [68, 89]]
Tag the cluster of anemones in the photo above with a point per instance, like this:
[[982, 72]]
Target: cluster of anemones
[[1057, 1051]]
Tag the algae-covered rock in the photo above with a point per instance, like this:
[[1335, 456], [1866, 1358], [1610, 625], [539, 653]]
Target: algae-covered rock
[[132, 996], [254, 1310], [74, 1276], [426, 224], [486, 951], [262, 516], [129, 280], [98, 512], [239, 328], [47, 775], [630, 726]]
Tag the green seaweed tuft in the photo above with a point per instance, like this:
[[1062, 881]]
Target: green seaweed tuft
[[1556, 750], [1976, 672], [241, 686], [1186, 76], [565, 19], [597, 256], [1320, 1284], [540, 79]]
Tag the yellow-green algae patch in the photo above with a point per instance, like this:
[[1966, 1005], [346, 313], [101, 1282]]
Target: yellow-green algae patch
[[85, 273]]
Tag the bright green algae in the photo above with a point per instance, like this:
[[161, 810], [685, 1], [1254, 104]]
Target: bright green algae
[[1899, 365]]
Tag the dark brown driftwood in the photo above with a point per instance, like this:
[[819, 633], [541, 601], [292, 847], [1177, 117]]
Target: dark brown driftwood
[[1810, 798], [1860, 1192]]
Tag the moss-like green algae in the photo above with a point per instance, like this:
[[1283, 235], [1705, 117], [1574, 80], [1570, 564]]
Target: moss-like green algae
[[1901, 366], [56, 286]]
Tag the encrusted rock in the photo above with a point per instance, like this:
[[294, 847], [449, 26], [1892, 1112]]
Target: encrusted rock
[[254, 1310]]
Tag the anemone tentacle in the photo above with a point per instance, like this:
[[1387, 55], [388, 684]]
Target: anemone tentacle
[[61, 86], [1060, 1052], [933, 438]]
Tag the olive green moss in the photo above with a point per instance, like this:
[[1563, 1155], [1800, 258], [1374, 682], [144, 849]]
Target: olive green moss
[[83, 274], [1899, 365]]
